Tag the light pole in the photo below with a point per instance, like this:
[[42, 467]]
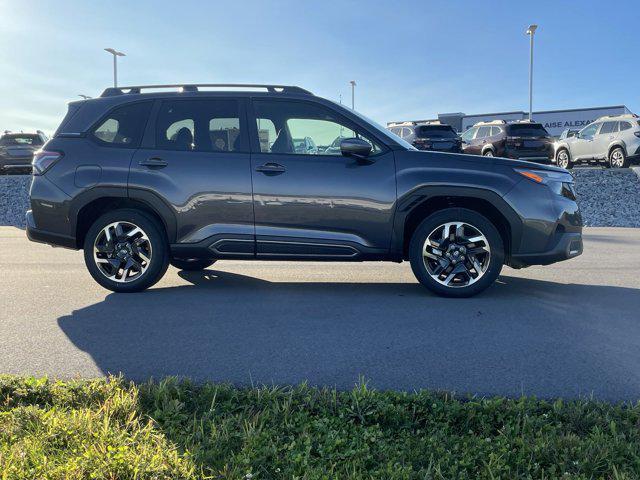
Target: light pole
[[531, 31], [115, 54], [353, 94]]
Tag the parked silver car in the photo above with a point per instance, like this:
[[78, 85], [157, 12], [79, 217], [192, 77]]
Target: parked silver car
[[613, 139]]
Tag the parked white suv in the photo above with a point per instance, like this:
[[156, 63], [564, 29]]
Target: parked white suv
[[613, 139]]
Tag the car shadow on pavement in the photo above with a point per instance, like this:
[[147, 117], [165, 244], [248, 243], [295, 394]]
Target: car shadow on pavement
[[521, 336]]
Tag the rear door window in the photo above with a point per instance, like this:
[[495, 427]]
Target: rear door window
[[607, 127], [211, 125], [123, 127], [625, 125], [483, 132]]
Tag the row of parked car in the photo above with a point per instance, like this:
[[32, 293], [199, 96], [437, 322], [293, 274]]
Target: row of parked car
[[612, 140]]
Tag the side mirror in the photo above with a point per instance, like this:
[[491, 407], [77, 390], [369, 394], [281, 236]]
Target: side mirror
[[355, 147]]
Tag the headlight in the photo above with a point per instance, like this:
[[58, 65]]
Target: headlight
[[560, 183]]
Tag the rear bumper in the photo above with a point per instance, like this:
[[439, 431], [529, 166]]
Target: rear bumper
[[41, 236], [569, 246], [10, 164]]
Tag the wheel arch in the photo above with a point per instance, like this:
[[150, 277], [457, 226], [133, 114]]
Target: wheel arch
[[98, 201], [488, 147], [422, 203], [617, 144]]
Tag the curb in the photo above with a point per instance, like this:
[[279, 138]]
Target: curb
[[636, 170]]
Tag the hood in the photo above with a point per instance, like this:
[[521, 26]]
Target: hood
[[507, 162]]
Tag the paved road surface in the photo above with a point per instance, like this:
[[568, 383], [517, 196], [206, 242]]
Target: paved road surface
[[568, 330]]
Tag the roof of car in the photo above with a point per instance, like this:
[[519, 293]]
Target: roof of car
[[197, 87]]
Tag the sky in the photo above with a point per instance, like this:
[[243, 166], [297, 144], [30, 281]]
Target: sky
[[410, 59]]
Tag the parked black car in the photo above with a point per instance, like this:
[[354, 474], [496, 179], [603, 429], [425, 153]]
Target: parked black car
[[141, 180], [429, 136], [16, 150], [521, 140]]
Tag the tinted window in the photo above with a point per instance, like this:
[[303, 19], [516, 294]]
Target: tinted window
[[279, 123], [124, 126], [527, 130], [200, 125], [20, 139], [625, 125], [484, 132], [495, 131], [608, 127], [435, 131]]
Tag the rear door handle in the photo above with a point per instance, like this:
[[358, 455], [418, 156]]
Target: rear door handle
[[156, 162], [271, 169]]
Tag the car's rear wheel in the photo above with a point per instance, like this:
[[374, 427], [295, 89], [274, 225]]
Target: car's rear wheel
[[617, 158], [126, 251], [191, 264], [488, 153], [562, 159], [456, 252]]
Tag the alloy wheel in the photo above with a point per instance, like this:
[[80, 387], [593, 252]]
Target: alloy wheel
[[122, 252], [456, 254], [563, 159], [617, 158]]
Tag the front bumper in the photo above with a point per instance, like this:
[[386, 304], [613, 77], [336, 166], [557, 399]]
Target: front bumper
[[569, 245]]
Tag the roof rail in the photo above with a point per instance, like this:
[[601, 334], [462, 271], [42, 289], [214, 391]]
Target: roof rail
[[492, 122], [193, 87], [621, 115], [401, 124]]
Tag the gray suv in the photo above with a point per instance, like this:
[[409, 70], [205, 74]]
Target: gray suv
[[143, 180], [614, 140]]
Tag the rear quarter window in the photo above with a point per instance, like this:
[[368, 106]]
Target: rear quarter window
[[123, 126]]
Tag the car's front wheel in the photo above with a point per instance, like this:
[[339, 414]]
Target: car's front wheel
[[126, 251], [562, 159], [192, 264], [488, 153], [617, 158], [456, 252]]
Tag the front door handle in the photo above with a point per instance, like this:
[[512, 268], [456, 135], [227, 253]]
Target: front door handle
[[271, 169], [156, 162]]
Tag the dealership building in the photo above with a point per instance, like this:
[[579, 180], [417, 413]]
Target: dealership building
[[555, 121]]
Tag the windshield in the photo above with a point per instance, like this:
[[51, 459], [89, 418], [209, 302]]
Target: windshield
[[380, 129], [436, 131], [527, 130], [20, 140]]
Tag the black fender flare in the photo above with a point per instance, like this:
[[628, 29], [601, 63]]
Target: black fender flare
[[418, 196], [148, 198]]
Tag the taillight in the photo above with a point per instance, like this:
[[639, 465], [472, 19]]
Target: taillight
[[43, 160]]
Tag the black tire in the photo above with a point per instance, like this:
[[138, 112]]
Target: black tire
[[565, 161], [488, 153], [192, 264], [158, 261], [618, 159], [470, 217]]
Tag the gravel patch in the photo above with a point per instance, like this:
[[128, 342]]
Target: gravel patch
[[14, 199], [607, 198]]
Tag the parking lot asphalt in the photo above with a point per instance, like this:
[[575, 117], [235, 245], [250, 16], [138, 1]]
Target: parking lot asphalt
[[571, 329]]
